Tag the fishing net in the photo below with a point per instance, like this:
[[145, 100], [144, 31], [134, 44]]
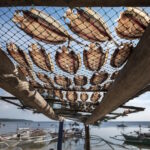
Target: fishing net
[[72, 63]]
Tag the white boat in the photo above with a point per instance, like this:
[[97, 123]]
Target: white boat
[[24, 136]]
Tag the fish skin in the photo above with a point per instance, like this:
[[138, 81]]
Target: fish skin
[[95, 88], [95, 97], [114, 75], [62, 81], [68, 61], [71, 96], [35, 24], [40, 58], [88, 25], [45, 78], [107, 86], [19, 55], [121, 54], [132, 23], [59, 94], [99, 77], [84, 96], [27, 72], [94, 58], [80, 80]]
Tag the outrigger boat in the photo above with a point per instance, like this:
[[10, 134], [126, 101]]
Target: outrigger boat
[[24, 136], [135, 137], [121, 125], [138, 138]]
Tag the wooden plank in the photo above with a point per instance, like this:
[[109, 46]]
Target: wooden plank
[[74, 3], [132, 78], [14, 82]]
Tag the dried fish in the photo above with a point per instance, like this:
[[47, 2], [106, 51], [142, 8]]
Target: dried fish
[[107, 86], [114, 75], [95, 88], [77, 88], [98, 77], [68, 61], [44, 78], [121, 54], [27, 72], [62, 81], [84, 97], [35, 84], [95, 97], [41, 58], [19, 55], [80, 80], [41, 26], [59, 94], [71, 96], [94, 58], [132, 23], [88, 24]]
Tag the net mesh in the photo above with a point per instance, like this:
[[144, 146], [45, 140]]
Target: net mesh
[[70, 62]]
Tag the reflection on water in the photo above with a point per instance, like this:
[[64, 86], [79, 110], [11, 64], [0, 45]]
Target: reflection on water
[[100, 136]]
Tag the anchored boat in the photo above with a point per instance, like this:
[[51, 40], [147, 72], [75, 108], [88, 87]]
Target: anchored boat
[[138, 138]]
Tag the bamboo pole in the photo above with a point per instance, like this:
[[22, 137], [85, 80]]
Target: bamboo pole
[[87, 137], [75, 3], [132, 78], [13, 82]]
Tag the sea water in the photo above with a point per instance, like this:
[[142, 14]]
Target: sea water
[[100, 136]]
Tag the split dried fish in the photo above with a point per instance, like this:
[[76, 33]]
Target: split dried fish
[[121, 55], [27, 72], [62, 81], [45, 78], [95, 97], [84, 97], [94, 58], [19, 55], [80, 80], [95, 88], [41, 58], [77, 88], [98, 77], [107, 86], [59, 94], [41, 26], [88, 24], [132, 23], [71, 96], [114, 75], [68, 61], [35, 84]]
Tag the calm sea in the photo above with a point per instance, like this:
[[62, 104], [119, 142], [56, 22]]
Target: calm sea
[[100, 136]]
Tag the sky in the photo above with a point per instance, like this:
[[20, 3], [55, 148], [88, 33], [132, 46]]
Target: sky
[[11, 111]]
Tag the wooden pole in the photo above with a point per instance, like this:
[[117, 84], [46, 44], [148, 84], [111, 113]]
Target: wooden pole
[[60, 135], [74, 3], [132, 78], [15, 83], [87, 137]]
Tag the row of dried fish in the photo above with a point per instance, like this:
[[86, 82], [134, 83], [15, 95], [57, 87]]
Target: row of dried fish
[[42, 60], [86, 23], [79, 80], [72, 96], [94, 59]]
